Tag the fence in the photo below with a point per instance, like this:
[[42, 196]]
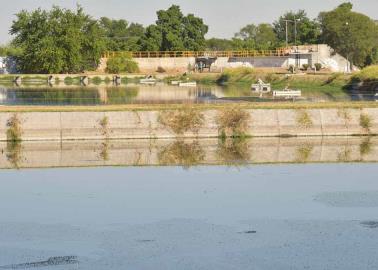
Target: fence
[[177, 54]]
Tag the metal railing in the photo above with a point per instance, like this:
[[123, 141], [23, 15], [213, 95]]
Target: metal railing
[[177, 54]]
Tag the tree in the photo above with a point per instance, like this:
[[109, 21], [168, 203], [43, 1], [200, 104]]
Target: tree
[[120, 35], [353, 35], [260, 37], [175, 32], [217, 44], [308, 31], [57, 41]]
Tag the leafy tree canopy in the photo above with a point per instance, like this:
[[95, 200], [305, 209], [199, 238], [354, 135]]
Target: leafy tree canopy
[[175, 32], [57, 41], [308, 31], [351, 34], [260, 37], [120, 35]]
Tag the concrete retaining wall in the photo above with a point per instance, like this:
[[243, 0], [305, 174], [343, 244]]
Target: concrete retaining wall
[[145, 124]]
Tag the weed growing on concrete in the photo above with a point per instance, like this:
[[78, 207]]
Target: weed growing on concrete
[[182, 153], [365, 122], [104, 124], [14, 153], [14, 129], [345, 115], [232, 122], [181, 121], [304, 119]]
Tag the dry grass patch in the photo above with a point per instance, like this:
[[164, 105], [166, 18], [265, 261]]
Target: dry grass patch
[[233, 122], [181, 121]]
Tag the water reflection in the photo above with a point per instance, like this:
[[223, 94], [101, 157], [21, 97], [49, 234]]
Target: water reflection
[[188, 152], [141, 94]]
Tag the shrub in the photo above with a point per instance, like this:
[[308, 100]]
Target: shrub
[[232, 122], [181, 121], [304, 119], [96, 80], [365, 122], [318, 66], [120, 64], [365, 147], [104, 123], [305, 67], [304, 152], [14, 129], [369, 73]]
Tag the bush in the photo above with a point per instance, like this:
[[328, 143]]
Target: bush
[[365, 122], [121, 64], [318, 66], [305, 67], [304, 119], [291, 69], [181, 153], [232, 122], [367, 74], [181, 121], [14, 129]]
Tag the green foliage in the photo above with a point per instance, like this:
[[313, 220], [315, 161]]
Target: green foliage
[[304, 119], [232, 122], [260, 37], [121, 64], [218, 44], [10, 50], [305, 67], [175, 32], [318, 66], [367, 74], [120, 35], [351, 34], [181, 121], [57, 41], [14, 129], [365, 122], [308, 31]]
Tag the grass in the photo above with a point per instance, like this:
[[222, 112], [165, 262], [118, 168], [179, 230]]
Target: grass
[[369, 73], [232, 122]]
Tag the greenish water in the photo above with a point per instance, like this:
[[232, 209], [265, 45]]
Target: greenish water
[[160, 93]]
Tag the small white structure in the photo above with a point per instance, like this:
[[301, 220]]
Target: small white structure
[[261, 87], [188, 84], [175, 82], [287, 93], [148, 80]]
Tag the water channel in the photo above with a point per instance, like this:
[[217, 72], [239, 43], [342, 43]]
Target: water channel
[[149, 94]]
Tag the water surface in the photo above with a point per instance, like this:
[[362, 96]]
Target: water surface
[[314, 216]]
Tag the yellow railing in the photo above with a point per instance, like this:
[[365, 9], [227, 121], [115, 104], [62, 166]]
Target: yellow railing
[[176, 54]]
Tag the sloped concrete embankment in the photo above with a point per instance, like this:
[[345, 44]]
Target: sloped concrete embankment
[[145, 124]]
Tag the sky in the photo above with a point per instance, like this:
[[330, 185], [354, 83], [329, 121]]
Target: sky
[[224, 17]]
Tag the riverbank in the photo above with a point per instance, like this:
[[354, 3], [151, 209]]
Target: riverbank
[[178, 121]]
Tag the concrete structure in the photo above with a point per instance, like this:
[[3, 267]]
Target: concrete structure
[[61, 126], [296, 56], [154, 152]]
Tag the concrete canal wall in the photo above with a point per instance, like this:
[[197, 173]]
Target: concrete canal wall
[[187, 152], [61, 126]]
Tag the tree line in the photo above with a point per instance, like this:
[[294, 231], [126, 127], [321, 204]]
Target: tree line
[[68, 41]]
